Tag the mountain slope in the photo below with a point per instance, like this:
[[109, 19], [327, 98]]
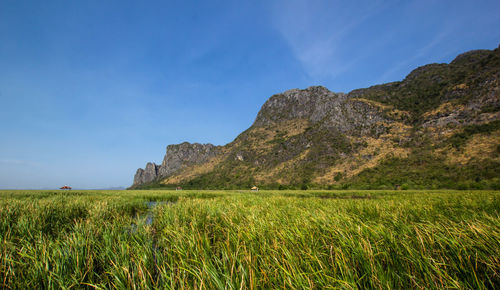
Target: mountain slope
[[439, 127]]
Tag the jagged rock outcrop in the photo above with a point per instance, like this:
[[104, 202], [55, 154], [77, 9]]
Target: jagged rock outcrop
[[146, 175], [186, 154], [177, 157], [313, 103], [319, 105]]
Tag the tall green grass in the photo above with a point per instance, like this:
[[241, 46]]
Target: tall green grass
[[241, 239]]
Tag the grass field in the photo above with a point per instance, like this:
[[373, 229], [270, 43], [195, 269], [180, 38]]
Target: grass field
[[242, 239]]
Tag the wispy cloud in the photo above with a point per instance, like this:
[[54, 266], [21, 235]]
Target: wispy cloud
[[317, 33], [442, 32], [424, 51]]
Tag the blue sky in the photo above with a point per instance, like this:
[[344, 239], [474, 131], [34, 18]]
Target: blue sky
[[92, 90]]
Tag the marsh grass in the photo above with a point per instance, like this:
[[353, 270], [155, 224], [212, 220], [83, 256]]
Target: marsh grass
[[238, 239]]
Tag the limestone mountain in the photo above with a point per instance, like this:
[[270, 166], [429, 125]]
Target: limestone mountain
[[439, 127], [178, 156]]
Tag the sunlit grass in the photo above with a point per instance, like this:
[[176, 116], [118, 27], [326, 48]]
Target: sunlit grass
[[235, 239]]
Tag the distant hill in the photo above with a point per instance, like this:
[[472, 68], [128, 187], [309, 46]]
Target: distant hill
[[437, 128]]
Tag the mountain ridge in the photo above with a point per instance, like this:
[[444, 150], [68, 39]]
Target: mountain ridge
[[368, 138]]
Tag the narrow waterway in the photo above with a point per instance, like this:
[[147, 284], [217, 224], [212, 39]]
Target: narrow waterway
[[147, 220], [147, 217]]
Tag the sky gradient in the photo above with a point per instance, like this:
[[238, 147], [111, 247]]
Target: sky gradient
[[92, 90]]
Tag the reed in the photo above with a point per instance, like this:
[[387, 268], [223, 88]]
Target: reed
[[240, 239]]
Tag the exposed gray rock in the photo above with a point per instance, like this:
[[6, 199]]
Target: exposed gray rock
[[186, 154], [312, 103], [177, 157], [319, 105], [146, 175], [477, 110]]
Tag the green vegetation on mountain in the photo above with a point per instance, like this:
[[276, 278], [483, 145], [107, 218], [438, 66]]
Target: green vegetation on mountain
[[470, 75], [437, 128]]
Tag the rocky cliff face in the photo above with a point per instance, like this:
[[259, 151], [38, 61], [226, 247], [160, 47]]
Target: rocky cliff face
[[178, 156], [319, 105], [146, 175], [313, 104], [437, 127], [186, 154]]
